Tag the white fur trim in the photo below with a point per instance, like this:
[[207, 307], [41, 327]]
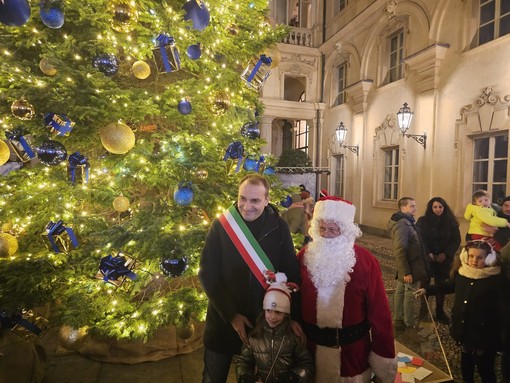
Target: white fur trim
[[327, 363], [364, 377], [330, 305], [334, 211], [384, 368]]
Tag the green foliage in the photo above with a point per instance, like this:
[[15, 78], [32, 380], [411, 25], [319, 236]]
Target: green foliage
[[170, 148], [294, 158]]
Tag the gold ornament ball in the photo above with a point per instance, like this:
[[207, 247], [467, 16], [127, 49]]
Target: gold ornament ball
[[47, 67], [117, 138], [6, 227], [22, 109], [202, 174], [141, 70], [5, 153], [71, 338], [124, 16], [185, 331], [121, 204], [218, 103], [8, 245]]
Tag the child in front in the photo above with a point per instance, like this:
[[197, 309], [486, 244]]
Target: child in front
[[275, 354], [479, 287]]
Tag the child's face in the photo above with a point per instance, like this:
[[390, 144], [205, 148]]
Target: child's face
[[483, 201], [476, 258], [274, 318], [506, 208]]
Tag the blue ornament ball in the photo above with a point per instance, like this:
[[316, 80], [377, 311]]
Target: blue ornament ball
[[250, 164], [250, 130], [183, 195], [286, 202], [14, 12], [52, 17], [51, 153], [194, 51], [184, 107], [197, 12], [106, 63], [173, 267]]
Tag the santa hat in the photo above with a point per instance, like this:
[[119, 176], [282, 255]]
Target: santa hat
[[277, 296], [333, 208], [323, 193]]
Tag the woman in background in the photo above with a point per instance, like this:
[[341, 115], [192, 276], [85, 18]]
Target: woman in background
[[439, 230]]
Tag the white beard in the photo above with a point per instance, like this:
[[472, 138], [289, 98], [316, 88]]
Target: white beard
[[330, 260]]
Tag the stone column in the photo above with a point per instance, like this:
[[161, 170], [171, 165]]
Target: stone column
[[266, 132]]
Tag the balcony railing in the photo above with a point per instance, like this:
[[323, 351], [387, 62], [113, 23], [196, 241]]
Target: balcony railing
[[299, 36]]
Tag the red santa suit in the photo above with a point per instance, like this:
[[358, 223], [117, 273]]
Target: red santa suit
[[345, 308]]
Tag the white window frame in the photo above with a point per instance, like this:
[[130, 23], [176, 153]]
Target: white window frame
[[301, 135], [339, 175], [485, 173], [341, 83], [391, 173], [494, 23], [395, 56]]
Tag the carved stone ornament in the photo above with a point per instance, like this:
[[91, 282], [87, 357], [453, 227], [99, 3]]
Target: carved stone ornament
[[388, 133], [391, 9]]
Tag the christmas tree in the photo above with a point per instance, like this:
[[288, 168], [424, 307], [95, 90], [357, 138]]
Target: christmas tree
[[127, 125]]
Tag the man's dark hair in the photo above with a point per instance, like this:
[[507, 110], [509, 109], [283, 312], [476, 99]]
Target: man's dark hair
[[404, 201], [256, 179]]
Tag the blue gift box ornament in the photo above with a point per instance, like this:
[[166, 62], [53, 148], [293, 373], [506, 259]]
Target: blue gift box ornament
[[60, 237], [115, 269], [78, 163], [234, 152], [59, 124], [257, 71], [166, 54], [16, 139]]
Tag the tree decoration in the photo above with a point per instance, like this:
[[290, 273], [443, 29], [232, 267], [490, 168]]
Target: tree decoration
[[124, 17], [51, 153], [78, 167], [60, 238], [117, 138], [47, 67], [59, 124], [52, 14], [194, 51], [184, 107], [174, 267], [6, 227], [71, 338], [106, 63], [121, 204], [14, 12], [257, 71], [274, 54], [141, 70], [202, 174], [22, 109], [166, 54], [5, 152], [185, 331], [197, 12], [234, 153], [218, 103], [251, 130], [8, 245], [269, 171], [183, 194], [20, 144], [115, 269], [252, 163]]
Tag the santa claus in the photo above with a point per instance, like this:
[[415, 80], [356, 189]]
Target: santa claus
[[345, 310]]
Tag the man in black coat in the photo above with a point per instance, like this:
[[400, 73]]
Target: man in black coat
[[234, 290]]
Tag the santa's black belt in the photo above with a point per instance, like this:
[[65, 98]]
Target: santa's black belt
[[336, 337]]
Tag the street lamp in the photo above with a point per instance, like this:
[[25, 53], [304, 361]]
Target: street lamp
[[341, 134], [404, 118]]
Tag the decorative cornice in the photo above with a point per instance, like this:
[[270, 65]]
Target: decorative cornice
[[357, 95], [426, 63]]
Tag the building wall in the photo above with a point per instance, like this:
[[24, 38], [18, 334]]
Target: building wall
[[455, 92]]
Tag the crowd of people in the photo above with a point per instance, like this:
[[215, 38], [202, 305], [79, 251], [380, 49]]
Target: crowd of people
[[323, 316]]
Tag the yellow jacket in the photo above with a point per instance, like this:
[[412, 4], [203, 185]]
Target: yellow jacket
[[478, 215]]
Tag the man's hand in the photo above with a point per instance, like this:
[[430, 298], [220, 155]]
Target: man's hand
[[298, 330], [440, 258], [239, 324], [408, 278]]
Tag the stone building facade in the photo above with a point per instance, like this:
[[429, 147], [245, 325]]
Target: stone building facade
[[357, 62]]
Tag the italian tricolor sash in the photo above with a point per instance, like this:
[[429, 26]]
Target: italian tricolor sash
[[246, 244]]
